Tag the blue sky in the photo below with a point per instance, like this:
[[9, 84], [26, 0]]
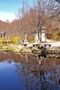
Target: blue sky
[[8, 8], [9, 5]]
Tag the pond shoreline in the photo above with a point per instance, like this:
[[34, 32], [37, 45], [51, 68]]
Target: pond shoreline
[[10, 56], [29, 58]]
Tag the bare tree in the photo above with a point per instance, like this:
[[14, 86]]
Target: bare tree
[[46, 11], [41, 14]]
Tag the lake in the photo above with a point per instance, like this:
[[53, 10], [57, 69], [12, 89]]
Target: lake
[[15, 76], [9, 79]]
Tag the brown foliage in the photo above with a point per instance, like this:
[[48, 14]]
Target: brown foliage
[[34, 19]]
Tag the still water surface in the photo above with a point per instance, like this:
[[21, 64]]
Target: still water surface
[[13, 77], [8, 77]]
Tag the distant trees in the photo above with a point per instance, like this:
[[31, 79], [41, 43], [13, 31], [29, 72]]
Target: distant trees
[[31, 19]]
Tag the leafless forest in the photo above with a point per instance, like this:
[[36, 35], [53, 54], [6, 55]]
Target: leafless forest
[[31, 19]]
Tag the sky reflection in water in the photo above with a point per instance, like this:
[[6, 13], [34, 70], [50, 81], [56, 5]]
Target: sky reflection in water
[[9, 78], [12, 77]]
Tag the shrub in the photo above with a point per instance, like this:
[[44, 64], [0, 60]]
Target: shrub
[[15, 40]]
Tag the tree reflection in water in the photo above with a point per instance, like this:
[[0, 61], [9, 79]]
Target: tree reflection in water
[[38, 80]]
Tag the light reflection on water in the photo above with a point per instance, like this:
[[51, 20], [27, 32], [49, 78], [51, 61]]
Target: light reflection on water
[[15, 76]]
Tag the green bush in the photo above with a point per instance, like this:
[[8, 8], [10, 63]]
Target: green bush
[[8, 49], [15, 40]]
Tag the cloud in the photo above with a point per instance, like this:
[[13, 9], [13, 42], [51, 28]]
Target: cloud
[[4, 16]]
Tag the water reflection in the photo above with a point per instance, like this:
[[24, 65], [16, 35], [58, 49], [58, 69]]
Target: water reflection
[[8, 77], [16, 76], [38, 81]]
